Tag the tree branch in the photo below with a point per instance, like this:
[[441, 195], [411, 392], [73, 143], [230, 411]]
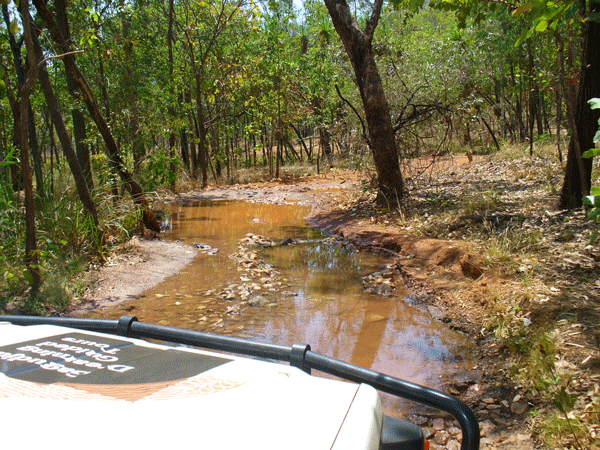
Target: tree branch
[[362, 123], [373, 20]]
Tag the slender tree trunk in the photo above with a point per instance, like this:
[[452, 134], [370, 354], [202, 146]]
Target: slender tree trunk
[[89, 98], [325, 141], [15, 172], [103, 90], [61, 130], [532, 96], [202, 153], [578, 174], [81, 147], [185, 152], [171, 108], [31, 256], [358, 46], [79, 131]]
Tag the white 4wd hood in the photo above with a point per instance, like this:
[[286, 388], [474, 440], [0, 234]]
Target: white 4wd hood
[[67, 388]]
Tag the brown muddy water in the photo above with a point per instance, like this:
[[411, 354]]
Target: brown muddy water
[[311, 291]]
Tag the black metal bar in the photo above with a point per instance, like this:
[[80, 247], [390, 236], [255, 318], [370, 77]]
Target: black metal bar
[[404, 389], [298, 355], [210, 341], [124, 325], [100, 325]]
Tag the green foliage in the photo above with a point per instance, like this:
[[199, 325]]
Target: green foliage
[[159, 167], [11, 234], [542, 15], [67, 242], [593, 200], [594, 104]]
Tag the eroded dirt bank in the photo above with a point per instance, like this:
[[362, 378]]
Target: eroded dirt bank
[[448, 267]]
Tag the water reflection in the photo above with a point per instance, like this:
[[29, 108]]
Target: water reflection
[[320, 300]]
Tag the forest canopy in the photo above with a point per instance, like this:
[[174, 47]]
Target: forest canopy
[[104, 101]]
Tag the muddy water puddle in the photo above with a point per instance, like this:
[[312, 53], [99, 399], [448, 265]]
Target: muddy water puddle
[[262, 273]]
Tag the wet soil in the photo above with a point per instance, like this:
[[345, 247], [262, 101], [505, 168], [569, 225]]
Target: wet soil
[[450, 272]]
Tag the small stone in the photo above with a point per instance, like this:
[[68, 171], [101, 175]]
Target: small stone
[[518, 407], [454, 431], [488, 400], [258, 300], [418, 419], [371, 318], [522, 437], [428, 432], [453, 390], [441, 437], [486, 427], [453, 444], [502, 422], [439, 424]]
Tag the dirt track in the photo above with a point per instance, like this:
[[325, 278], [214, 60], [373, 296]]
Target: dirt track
[[450, 276]]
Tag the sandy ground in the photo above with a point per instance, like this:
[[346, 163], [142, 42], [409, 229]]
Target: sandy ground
[[143, 264]]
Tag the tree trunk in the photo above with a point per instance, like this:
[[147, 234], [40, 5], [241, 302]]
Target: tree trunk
[[325, 141], [578, 174], [89, 98], [532, 96], [171, 108], [61, 130], [202, 156], [79, 131], [358, 46], [32, 136], [185, 152], [31, 254]]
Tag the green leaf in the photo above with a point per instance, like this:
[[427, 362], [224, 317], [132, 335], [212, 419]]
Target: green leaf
[[28, 276], [594, 213], [592, 200], [594, 103], [564, 401], [591, 152], [4, 2], [523, 9], [595, 190], [14, 26], [541, 26], [594, 237]]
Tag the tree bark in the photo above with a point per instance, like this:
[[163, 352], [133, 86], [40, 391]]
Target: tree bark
[[89, 99], [31, 256], [578, 173], [79, 131], [171, 108], [202, 153], [63, 135], [358, 46]]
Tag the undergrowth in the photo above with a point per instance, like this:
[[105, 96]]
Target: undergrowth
[[502, 206], [67, 242]]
